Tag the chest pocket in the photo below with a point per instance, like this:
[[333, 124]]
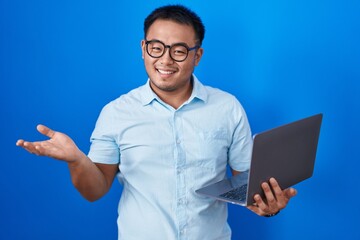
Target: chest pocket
[[208, 149]]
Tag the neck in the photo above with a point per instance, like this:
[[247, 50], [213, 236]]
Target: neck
[[176, 97]]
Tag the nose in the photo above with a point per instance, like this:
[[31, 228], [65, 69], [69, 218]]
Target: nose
[[166, 58]]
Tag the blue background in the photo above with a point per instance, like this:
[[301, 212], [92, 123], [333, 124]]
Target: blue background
[[62, 61]]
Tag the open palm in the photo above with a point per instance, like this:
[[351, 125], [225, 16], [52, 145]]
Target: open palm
[[59, 146]]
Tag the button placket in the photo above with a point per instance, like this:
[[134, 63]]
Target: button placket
[[180, 173]]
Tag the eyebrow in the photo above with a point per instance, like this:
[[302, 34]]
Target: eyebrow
[[181, 43]]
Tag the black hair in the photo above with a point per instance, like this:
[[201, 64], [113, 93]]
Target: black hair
[[179, 14]]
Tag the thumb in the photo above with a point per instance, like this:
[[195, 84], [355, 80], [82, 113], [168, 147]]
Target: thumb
[[45, 130], [290, 192]]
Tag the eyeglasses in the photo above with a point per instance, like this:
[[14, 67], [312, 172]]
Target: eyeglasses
[[178, 51]]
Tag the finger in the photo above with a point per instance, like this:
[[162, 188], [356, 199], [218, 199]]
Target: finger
[[270, 198], [20, 143], [26, 145], [260, 204], [279, 194], [45, 130], [30, 147], [275, 185], [290, 192]]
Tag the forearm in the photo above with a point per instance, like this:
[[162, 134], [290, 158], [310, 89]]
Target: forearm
[[88, 178], [234, 172]]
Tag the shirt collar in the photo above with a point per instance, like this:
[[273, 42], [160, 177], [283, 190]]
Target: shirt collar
[[198, 92]]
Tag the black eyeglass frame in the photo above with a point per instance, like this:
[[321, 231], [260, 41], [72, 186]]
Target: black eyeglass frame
[[147, 42]]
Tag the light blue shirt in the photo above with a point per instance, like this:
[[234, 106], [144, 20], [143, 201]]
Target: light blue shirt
[[165, 154]]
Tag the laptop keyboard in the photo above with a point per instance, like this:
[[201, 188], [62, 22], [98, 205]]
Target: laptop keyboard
[[236, 193]]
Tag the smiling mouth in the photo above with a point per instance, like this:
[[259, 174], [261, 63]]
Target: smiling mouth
[[164, 72]]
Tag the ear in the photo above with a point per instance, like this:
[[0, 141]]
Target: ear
[[198, 54], [142, 45]]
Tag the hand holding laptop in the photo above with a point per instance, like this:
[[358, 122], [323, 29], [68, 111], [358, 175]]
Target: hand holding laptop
[[276, 199], [287, 154]]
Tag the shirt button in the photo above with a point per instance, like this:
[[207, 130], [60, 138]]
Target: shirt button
[[178, 141]]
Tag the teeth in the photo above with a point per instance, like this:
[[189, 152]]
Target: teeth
[[165, 72]]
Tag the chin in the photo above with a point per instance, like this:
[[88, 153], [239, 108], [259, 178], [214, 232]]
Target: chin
[[163, 86]]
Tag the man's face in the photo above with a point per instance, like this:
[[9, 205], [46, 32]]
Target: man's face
[[167, 75]]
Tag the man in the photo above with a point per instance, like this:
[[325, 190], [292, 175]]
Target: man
[[164, 140]]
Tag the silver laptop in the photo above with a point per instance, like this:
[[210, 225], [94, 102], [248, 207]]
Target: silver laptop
[[286, 153]]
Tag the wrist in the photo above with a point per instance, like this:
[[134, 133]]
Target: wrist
[[78, 160]]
